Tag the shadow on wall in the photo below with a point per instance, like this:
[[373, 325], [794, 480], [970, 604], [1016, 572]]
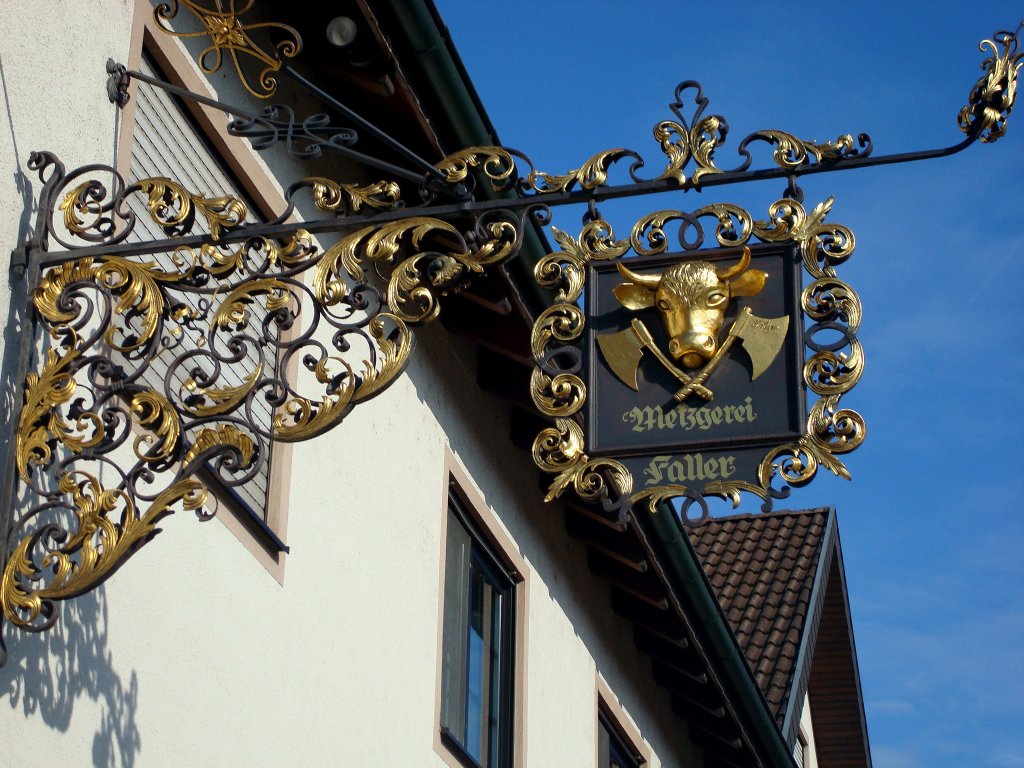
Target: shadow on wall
[[48, 673]]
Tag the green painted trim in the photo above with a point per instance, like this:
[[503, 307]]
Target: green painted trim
[[689, 580]]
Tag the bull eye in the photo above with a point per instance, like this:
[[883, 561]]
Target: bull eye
[[716, 299], [663, 305]]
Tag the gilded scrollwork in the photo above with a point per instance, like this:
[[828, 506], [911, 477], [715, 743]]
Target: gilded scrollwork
[[793, 152], [198, 356], [50, 564], [423, 275], [733, 226], [556, 392], [497, 164], [565, 269], [591, 175], [335, 197], [559, 450], [690, 137], [688, 141], [174, 208], [823, 245], [992, 97], [562, 322], [227, 33], [833, 305], [42, 423]]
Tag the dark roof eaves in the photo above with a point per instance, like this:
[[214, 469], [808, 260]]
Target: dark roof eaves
[[452, 93]]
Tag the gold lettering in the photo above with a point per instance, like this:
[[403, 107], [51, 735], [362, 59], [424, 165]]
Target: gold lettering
[[649, 418], [728, 466], [710, 469], [653, 470], [689, 468], [679, 474]]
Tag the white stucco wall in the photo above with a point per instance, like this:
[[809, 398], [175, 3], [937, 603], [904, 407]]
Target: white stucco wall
[[193, 654]]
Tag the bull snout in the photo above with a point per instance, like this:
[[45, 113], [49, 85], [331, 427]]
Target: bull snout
[[693, 349]]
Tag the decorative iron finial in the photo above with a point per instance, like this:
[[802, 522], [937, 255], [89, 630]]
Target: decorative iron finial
[[228, 33], [992, 97]]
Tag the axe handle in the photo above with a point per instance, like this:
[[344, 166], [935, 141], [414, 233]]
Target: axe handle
[[700, 378], [737, 328], [645, 338]]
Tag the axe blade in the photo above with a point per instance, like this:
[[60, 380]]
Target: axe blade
[[622, 351], [762, 337]]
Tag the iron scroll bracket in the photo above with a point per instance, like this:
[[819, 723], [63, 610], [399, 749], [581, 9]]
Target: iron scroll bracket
[[308, 332]]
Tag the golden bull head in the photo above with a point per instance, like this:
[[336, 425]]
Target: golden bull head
[[691, 299]]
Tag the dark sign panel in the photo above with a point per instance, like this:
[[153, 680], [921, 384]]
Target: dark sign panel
[[721, 432]]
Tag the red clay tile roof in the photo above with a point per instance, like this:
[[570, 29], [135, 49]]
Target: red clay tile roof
[[762, 568]]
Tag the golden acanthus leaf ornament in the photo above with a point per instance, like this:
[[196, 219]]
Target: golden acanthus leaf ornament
[[96, 548], [992, 98]]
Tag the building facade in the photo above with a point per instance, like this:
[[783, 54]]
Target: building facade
[[394, 591]]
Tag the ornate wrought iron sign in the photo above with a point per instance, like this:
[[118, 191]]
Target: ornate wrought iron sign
[[670, 406], [172, 359]]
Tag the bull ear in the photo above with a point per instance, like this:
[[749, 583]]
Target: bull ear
[[750, 283], [633, 296]]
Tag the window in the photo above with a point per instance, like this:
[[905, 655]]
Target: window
[[612, 749], [619, 743], [166, 142], [477, 646], [161, 135]]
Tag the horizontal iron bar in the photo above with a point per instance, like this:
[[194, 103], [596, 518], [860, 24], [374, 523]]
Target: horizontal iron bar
[[473, 207]]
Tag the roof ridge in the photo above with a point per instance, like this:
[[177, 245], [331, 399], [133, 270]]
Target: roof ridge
[[763, 515]]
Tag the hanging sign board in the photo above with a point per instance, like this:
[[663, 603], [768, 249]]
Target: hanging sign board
[[686, 373]]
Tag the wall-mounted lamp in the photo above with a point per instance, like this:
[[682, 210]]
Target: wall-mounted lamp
[[341, 31]]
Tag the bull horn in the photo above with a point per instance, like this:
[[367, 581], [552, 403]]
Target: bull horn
[[736, 269], [647, 281]]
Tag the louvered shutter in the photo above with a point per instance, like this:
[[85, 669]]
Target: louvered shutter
[[167, 143]]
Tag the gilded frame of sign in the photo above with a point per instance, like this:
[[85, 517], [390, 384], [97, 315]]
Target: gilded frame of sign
[[827, 305]]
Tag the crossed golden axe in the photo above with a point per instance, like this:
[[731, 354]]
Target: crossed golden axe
[[694, 288]]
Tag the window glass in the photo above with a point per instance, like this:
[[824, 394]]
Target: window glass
[[612, 750], [476, 688]]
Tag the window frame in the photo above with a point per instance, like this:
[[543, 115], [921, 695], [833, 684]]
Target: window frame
[[483, 560], [487, 532], [613, 718]]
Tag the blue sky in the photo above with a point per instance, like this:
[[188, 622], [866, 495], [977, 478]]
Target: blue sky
[[933, 536]]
